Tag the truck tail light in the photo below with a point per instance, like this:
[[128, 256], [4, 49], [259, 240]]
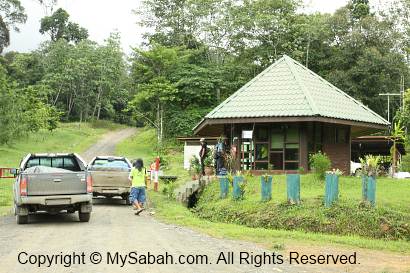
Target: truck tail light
[[89, 183], [23, 186]]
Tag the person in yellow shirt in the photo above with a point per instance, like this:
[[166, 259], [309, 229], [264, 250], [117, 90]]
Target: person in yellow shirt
[[137, 178]]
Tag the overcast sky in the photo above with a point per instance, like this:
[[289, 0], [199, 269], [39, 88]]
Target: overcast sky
[[101, 17]]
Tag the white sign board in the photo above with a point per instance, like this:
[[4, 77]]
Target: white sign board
[[247, 134]]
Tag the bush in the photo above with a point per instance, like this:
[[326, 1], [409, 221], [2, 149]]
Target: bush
[[320, 164]]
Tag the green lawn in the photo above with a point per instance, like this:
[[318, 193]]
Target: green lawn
[[171, 212], [143, 145], [389, 220], [69, 137], [390, 193]]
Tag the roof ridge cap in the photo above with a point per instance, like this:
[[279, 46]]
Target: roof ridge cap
[[251, 81], [343, 93], [309, 98]]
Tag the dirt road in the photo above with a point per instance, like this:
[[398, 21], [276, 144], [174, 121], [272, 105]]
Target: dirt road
[[114, 228], [106, 146]]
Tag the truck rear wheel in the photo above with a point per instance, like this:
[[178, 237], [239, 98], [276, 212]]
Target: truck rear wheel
[[126, 199], [84, 216], [22, 219]]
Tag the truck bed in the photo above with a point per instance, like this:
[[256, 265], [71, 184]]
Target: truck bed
[[43, 184], [110, 178]]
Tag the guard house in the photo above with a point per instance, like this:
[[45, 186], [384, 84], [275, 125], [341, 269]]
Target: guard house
[[287, 112]]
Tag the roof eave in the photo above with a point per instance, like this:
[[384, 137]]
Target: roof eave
[[239, 120]]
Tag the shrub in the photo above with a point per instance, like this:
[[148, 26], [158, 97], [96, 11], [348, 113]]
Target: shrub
[[370, 165], [320, 164]]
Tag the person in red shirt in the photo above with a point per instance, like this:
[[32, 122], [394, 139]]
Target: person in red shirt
[[156, 173]]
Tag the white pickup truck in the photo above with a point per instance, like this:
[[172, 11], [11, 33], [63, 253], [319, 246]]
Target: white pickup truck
[[52, 183]]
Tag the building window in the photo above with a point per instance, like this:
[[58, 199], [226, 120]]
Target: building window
[[292, 134], [262, 134], [276, 160], [291, 166], [261, 165], [292, 152], [341, 135], [262, 152], [276, 140], [275, 148]]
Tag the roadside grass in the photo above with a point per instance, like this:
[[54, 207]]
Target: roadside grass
[[144, 145], [141, 145], [69, 137], [172, 212]]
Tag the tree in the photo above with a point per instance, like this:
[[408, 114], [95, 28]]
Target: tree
[[23, 110], [11, 14], [58, 27], [397, 136], [359, 9]]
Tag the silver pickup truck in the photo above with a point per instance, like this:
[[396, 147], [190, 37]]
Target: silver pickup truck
[[52, 183]]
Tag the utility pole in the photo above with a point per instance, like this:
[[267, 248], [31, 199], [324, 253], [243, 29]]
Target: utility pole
[[388, 101]]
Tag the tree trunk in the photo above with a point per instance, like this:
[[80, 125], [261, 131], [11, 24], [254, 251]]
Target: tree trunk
[[394, 165], [98, 112], [97, 105], [158, 124], [70, 105]]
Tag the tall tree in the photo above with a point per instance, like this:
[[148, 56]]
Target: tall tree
[[12, 13], [59, 27]]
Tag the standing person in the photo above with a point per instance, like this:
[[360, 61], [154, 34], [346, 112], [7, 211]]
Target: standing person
[[219, 153], [152, 171], [203, 153], [156, 173], [137, 193]]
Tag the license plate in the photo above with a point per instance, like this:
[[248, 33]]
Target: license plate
[[110, 191], [65, 201]]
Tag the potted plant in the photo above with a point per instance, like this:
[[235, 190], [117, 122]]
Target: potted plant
[[370, 170], [194, 167]]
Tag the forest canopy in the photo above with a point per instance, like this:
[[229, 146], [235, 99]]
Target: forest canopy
[[195, 55]]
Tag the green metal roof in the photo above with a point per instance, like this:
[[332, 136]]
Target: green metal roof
[[288, 89]]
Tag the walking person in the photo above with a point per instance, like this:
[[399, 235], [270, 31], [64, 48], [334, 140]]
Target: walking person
[[137, 193], [203, 153]]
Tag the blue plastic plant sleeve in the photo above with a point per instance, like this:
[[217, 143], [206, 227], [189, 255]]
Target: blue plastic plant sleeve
[[266, 188], [293, 188]]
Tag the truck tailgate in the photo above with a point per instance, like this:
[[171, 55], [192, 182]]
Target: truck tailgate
[[56, 183], [112, 179]]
